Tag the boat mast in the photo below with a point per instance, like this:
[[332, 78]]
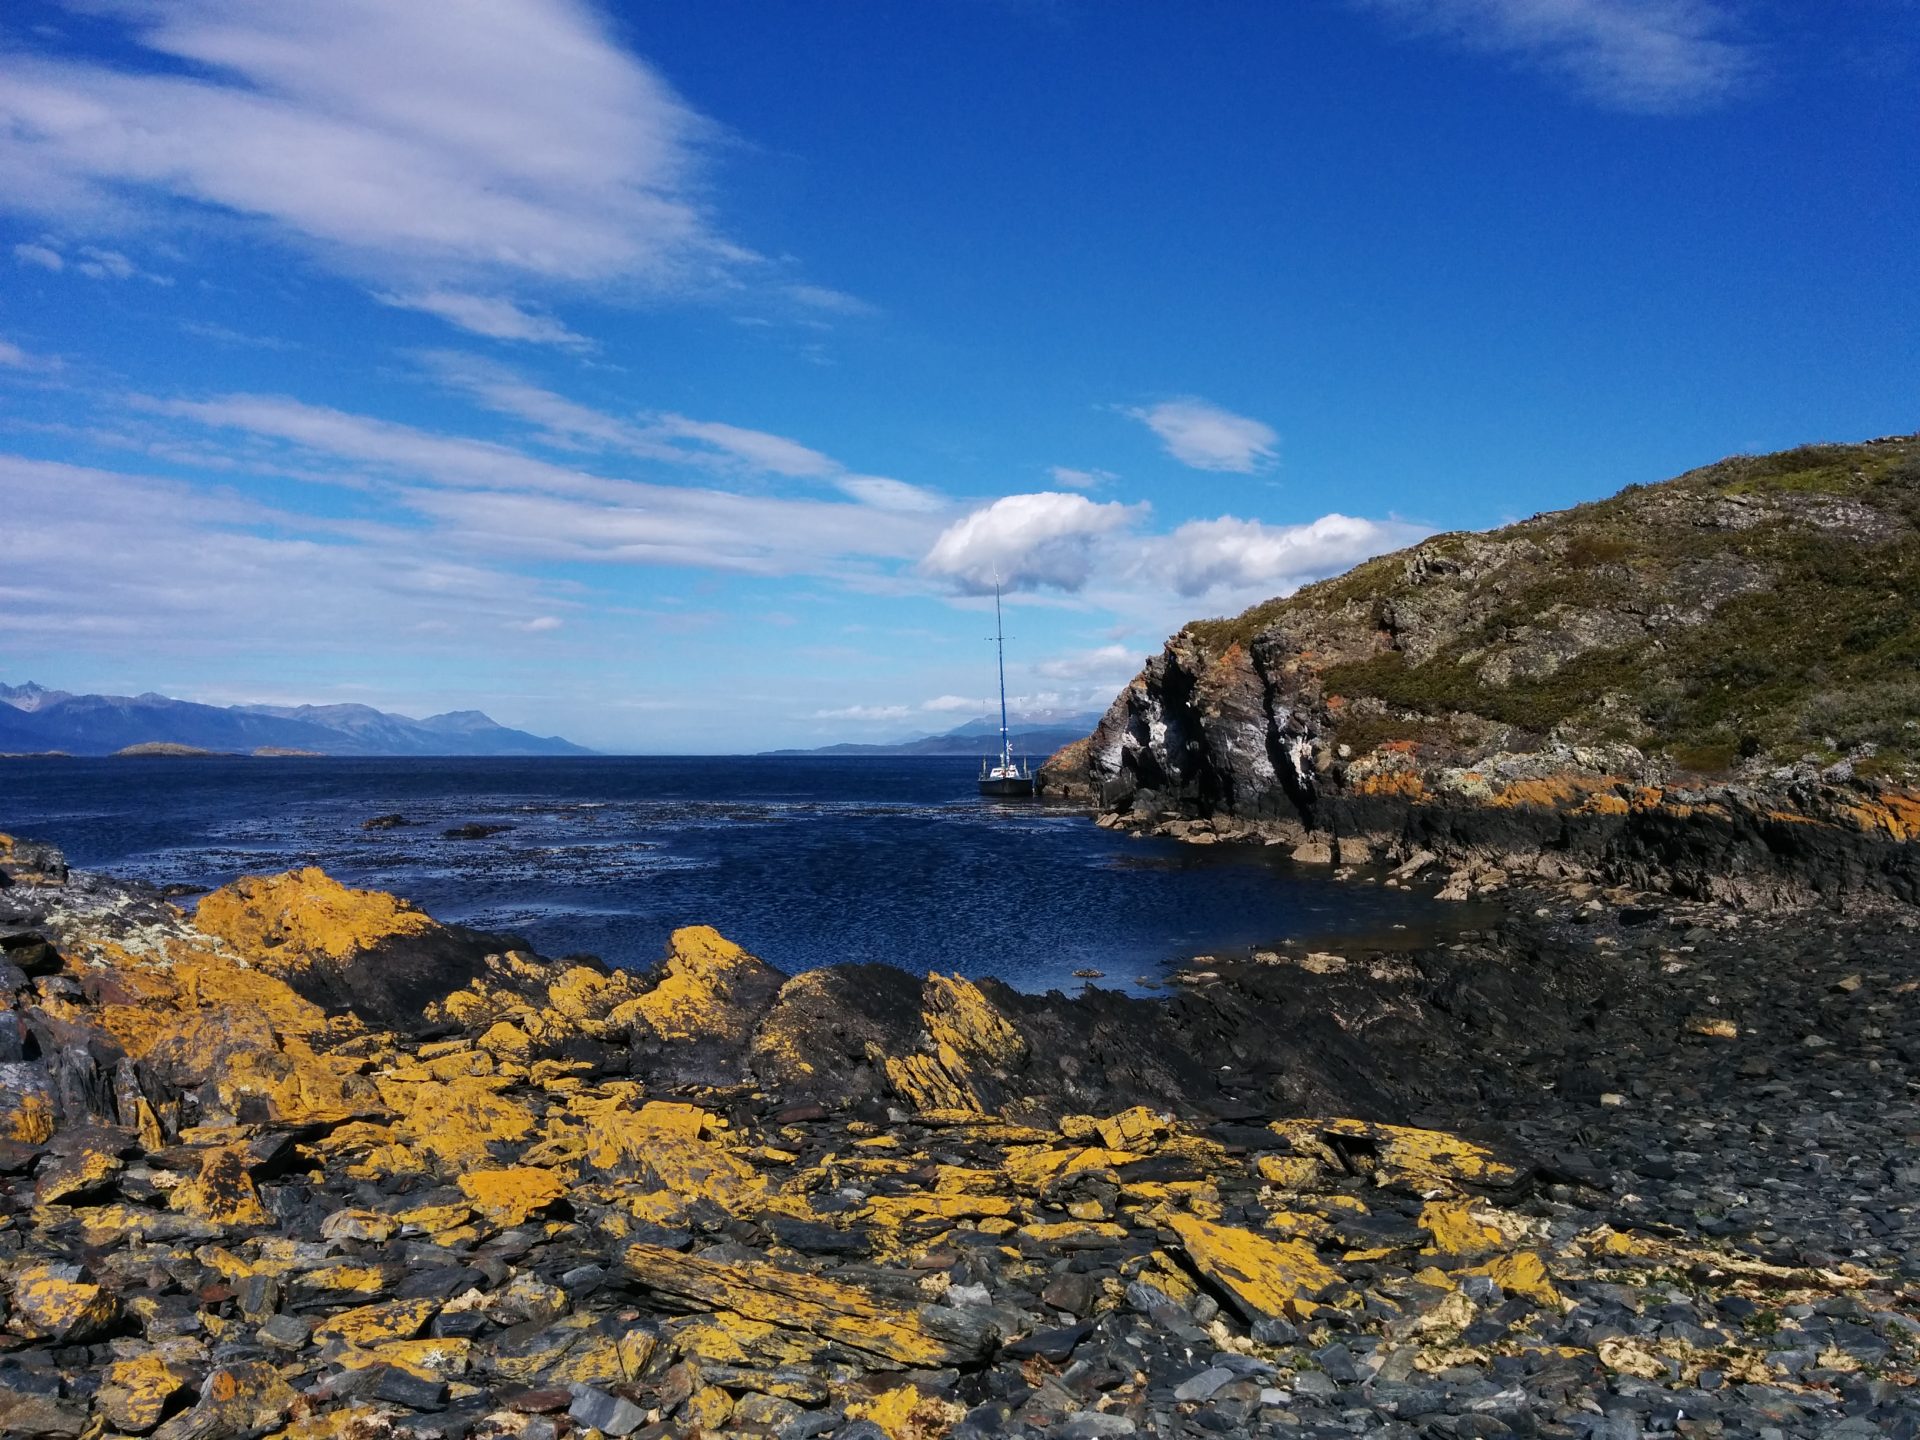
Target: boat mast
[[1000, 648]]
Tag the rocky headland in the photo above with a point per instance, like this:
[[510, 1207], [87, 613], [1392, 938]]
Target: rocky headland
[[1708, 687]]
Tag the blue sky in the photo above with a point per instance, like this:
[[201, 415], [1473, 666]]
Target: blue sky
[[677, 377]]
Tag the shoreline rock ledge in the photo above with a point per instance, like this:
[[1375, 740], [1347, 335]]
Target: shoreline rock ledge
[[307, 1163]]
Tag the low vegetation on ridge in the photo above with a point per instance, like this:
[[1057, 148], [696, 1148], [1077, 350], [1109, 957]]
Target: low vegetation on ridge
[[1762, 610]]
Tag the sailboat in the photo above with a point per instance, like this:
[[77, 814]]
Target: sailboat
[[1003, 777]]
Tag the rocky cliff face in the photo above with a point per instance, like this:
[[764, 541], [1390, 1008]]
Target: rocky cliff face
[[1710, 686]]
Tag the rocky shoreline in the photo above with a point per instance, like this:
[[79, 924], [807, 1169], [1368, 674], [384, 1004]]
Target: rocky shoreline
[[304, 1162]]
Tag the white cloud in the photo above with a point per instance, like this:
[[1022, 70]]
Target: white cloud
[[93, 261], [1237, 555], [1048, 538], [468, 145], [489, 315], [44, 256], [951, 704], [1652, 56], [1107, 660], [1201, 434], [540, 624]]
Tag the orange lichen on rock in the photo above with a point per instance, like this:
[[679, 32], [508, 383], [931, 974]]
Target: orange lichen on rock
[[1593, 794], [1892, 813], [1403, 784], [288, 921]]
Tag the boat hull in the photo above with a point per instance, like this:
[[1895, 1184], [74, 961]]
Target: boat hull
[[1011, 785]]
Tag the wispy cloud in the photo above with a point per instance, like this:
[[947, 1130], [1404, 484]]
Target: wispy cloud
[[865, 712], [12, 357], [455, 150], [1080, 479], [489, 315], [493, 498], [43, 257], [1201, 434], [828, 301], [81, 542], [1650, 56], [714, 446]]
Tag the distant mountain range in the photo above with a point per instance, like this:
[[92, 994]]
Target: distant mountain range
[[36, 719], [1037, 735]]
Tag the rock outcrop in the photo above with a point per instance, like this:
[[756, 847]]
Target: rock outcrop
[[1707, 687], [245, 1193]]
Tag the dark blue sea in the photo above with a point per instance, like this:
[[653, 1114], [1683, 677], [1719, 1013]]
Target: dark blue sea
[[805, 861]]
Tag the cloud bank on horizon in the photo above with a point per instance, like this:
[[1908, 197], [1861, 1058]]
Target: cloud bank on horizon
[[521, 353]]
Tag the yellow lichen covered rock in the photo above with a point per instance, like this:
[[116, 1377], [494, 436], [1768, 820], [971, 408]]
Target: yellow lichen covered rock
[[710, 989], [26, 1105], [1457, 1230], [507, 1197], [660, 1145], [883, 1330], [1265, 1278], [457, 1121], [287, 922], [136, 1393], [369, 1325], [223, 1192], [52, 1302], [1398, 1153], [907, 1413], [969, 1047]]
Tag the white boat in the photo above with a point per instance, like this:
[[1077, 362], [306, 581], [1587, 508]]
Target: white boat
[[1003, 775]]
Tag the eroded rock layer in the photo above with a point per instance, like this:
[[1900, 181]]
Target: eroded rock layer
[[310, 1164]]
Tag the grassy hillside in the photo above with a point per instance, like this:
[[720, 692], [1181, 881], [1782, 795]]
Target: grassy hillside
[[1760, 610]]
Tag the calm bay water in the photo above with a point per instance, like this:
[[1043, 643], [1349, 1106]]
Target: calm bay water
[[805, 861]]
